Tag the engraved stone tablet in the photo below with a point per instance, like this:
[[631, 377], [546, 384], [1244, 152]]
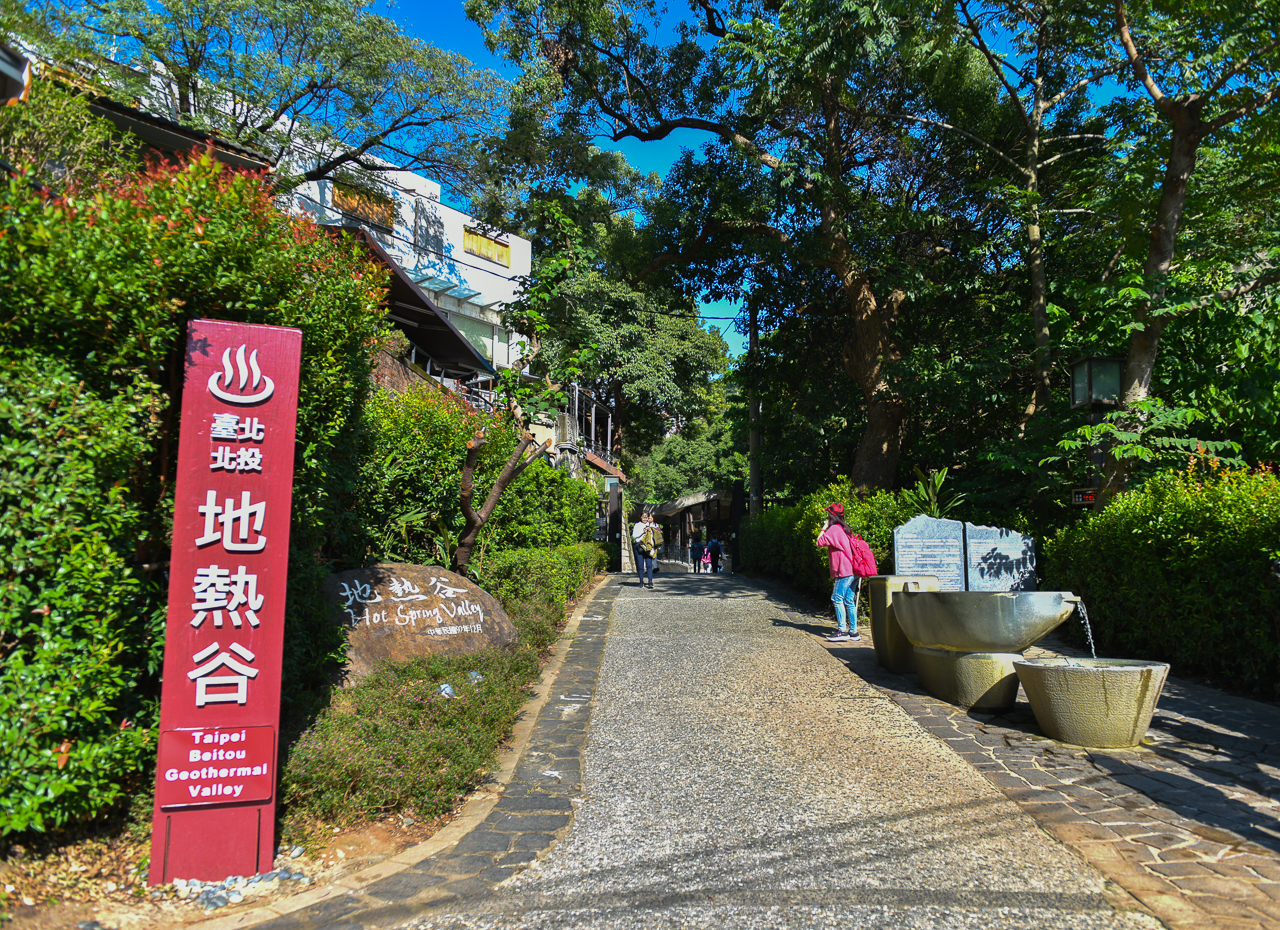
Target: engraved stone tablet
[[999, 559], [928, 546], [395, 611]]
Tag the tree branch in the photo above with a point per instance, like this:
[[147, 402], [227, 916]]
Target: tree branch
[[1271, 276], [1139, 64], [1232, 115], [996, 64], [971, 137], [1239, 67], [1081, 84]]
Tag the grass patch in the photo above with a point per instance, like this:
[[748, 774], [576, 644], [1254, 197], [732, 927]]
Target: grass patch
[[392, 743]]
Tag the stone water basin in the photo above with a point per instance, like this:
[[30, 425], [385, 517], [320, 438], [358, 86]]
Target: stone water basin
[[965, 642], [980, 621], [1101, 703]]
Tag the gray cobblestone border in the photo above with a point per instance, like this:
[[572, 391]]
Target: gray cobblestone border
[[1185, 825]]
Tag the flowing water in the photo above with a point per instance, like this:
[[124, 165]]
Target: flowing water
[[1088, 630]]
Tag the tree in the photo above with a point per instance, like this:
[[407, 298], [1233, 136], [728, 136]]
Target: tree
[[1212, 73], [320, 86], [787, 87], [1042, 59], [54, 135]]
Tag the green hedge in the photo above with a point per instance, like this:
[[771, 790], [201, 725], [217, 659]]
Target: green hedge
[[780, 542], [393, 743], [79, 623], [552, 576], [1178, 571]]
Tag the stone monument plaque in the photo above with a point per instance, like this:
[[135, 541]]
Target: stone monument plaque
[[928, 546], [999, 559], [394, 612]]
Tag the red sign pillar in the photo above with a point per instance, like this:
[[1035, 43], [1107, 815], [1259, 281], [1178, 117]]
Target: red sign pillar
[[216, 775]]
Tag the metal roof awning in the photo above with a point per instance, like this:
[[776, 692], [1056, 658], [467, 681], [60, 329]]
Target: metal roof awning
[[168, 136], [691, 500], [421, 320]]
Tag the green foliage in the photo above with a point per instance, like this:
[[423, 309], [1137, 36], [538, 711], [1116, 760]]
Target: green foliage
[[101, 285], [927, 497], [393, 742], [705, 453], [544, 508], [1147, 431], [1180, 570], [79, 622], [54, 136], [781, 541], [332, 76], [410, 481]]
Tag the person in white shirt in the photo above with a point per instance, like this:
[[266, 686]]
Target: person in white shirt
[[643, 538]]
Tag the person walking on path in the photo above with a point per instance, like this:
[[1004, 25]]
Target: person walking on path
[[647, 537], [713, 547], [695, 554], [835, 536]]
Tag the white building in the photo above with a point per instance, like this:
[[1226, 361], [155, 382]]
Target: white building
[[468, 271]]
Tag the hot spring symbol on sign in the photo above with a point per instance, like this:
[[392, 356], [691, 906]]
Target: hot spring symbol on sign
[[225, 377]]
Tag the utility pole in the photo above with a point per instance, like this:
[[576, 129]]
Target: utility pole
[[755, 480]]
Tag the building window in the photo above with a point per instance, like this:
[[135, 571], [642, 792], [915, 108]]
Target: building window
[[478, 333], [368, 205], [476, 243]]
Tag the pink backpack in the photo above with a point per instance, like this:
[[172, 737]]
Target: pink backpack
[[864, 563]]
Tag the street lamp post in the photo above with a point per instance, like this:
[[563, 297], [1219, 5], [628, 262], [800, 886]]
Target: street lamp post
[[1095, 387]]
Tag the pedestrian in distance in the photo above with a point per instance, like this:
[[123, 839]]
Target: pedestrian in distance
[[696, 551], [647, 537], [713, 548], [851, 561]]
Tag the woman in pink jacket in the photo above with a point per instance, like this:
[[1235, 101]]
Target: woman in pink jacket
[[844, 592]]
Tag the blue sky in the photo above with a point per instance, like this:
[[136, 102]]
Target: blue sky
[[444, 24]]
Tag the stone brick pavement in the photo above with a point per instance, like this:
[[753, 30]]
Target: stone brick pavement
[[529, 818], [1187, 824]]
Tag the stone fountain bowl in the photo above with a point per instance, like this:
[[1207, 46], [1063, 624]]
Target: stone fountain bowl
[[1101, 703], [980, 621]]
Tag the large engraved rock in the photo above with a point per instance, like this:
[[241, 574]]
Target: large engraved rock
[[395, 612]]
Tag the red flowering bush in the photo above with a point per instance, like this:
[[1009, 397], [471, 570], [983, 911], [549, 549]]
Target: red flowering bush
[[95, 292]]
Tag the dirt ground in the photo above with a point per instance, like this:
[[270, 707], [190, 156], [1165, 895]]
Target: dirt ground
[[97, 880]]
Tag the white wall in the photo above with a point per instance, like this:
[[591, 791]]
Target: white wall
[[439, 253]]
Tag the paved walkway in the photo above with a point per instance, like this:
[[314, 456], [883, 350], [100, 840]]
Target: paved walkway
[[736, 775], [705, 759], [1187, 823]]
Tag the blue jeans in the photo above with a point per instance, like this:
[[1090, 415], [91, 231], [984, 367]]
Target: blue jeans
[[844, 594], [644, 563]]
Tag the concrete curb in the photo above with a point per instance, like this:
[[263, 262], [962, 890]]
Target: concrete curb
[[476, 807]]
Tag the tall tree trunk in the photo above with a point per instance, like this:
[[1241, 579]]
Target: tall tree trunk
[[755, 478], [1144, 342], [864, 355], [1037, 278]]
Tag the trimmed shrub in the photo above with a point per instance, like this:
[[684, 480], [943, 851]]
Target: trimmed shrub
[[394, 743], [551, 576], [79, 623], [780, 542], [1179, 571]]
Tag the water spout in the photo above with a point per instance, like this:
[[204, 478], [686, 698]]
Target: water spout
[[1088, 630]]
